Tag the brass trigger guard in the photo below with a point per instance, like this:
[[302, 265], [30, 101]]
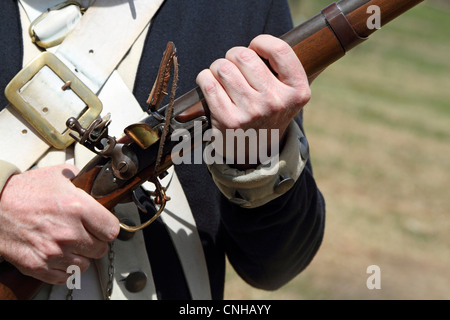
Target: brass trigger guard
[[160, 198]]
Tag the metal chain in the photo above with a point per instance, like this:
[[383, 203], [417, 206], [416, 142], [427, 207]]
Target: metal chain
[[69, 295], [109, 286], [111, 270]]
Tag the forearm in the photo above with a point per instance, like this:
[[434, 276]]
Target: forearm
[[270, 237], [6, 171]]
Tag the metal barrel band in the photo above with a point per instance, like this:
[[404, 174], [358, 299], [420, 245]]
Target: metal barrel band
[[341, 27]]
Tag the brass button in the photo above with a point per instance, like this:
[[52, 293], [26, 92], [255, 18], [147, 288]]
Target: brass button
[[135, 281]]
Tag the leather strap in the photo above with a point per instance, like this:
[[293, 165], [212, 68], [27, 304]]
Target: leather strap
[[341, 27]]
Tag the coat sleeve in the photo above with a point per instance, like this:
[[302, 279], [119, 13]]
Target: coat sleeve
[[268, 245]]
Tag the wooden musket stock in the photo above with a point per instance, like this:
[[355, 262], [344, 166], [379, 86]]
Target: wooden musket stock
[[318, 42]]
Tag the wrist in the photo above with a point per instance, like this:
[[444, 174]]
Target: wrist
[[6, 171], [256, 187], [273, 142]]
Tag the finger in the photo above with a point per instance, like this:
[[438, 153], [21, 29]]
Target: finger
[[54, 276], [70, 259], [54, 271], [253, 68], [97, 220], [282, 59], [233, 82], [90, 248], [219, 103]]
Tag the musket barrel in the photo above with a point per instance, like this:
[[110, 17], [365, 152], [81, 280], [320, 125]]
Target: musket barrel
[[318, 45]]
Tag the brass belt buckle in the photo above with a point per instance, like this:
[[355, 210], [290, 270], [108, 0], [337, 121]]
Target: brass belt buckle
[[32, 114]]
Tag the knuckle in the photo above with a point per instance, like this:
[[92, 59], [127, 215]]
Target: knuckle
[[253, 114], [101, 251], [210, 88], [65, 235], [206, 81], [281, 49], [71, 205], [233, 122], [53, 254], [83, 264], [47, 250], [202, 75], [224, 68], [261, 37], [276, 100], [34, 268], [113, 232], [303, 96], [256, 112], [236, 52], [232, 52], [259, 40], [247, 55]]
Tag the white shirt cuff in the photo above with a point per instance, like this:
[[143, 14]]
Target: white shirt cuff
[[256, 187]]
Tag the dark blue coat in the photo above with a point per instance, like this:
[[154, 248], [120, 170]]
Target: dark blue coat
[[268, 245]]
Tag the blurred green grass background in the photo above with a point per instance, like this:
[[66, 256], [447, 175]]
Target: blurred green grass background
[[378, 126]]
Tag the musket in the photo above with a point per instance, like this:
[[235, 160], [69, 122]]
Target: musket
[[124, 165]]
